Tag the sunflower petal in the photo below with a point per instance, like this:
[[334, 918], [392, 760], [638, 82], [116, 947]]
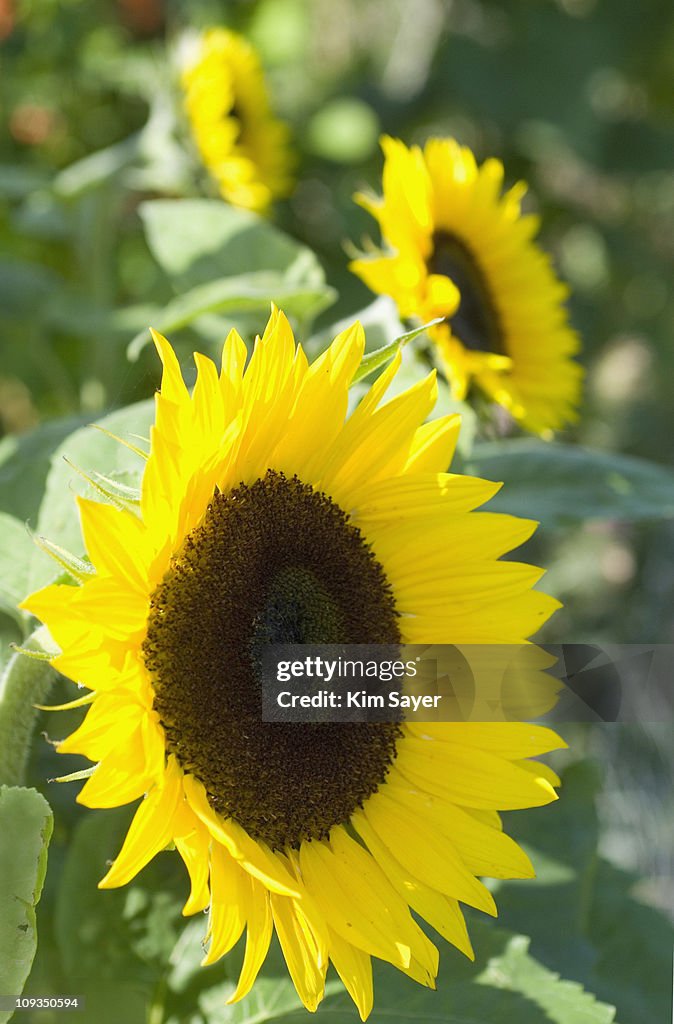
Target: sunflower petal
[[150, 831]]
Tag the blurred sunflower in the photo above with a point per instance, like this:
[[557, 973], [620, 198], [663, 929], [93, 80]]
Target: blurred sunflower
[[245, 148], [460, 249], [268, 515]]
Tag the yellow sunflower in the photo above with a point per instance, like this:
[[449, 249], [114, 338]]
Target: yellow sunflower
[[268, 515], [462, 250], [242, 144]]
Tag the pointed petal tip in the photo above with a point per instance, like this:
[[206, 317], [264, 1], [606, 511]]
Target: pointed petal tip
[[108, 880], [160, 342]]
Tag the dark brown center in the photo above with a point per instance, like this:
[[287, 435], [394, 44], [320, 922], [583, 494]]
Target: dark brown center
[[476, 323], [271, 562]]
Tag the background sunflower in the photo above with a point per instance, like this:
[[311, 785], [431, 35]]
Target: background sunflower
[[457, 248], [244, 147]]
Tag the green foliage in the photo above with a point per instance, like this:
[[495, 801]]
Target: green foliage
[[115, 946], [24, 465], [613, 944], [223, 260], [561, 484], [89, 450], [27, 817], [16, 552]]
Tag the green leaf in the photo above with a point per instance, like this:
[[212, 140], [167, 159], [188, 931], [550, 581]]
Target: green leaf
[[25, 460], [26, 824], [102, 934], [118, 947], [612, 943], [16, 555], [559, 484], [565, 1002], [245, 293], [373, 360], [24, 682], [504, 985], [221, 259], [96, 169], [91, 451], [196, 241]]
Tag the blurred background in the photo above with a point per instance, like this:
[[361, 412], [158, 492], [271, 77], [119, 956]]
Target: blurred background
[[575, 96]]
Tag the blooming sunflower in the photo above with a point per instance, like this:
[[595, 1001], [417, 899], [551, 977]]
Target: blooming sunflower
[[460, 249], [269, 515], [242, 144]]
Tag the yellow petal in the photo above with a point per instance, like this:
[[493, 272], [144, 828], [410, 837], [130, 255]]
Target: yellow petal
[[301, 949], [193, 846], [226, 919], [442, 912], [512, 740], [260, 926], [484, 850], [358, 902], [433, 445], [150, 831], [172, 385], [355, 969], [254, 857], [112, 786], [470, 778], [425, 855], [115, 542]]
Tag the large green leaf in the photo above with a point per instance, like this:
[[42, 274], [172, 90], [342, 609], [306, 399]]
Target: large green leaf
[[24, 464], [89, 450], [241, 294], [223, 260], [16, 553], [558, 484], [199, 240], [98, 931], [25, 829]]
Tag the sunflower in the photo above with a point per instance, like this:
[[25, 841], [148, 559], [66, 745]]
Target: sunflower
[[461, 250], [269, 515], [242, 144]]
